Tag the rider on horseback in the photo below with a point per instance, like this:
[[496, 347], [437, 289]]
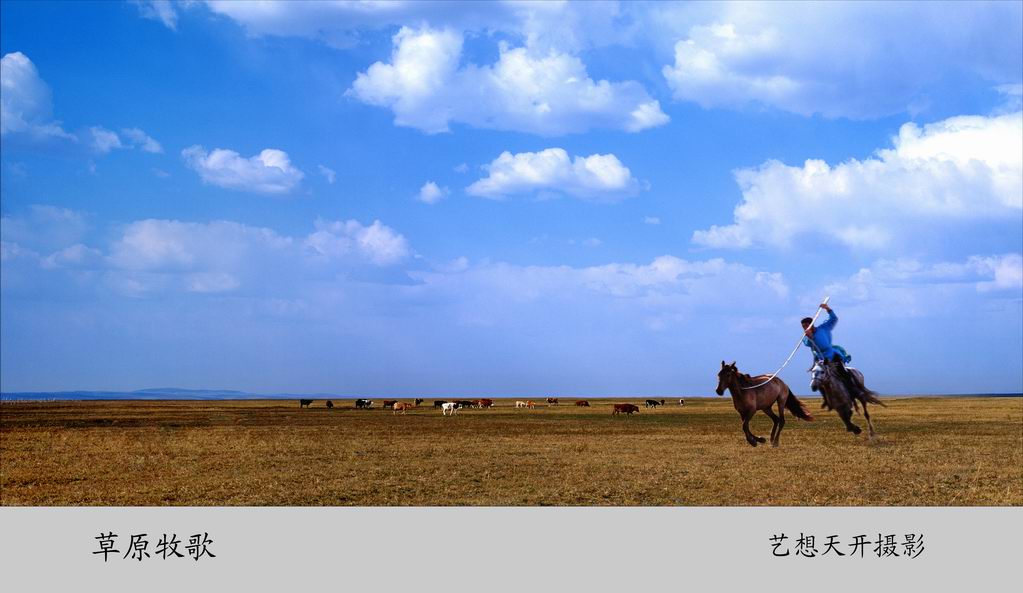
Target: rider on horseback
[[818, 339]]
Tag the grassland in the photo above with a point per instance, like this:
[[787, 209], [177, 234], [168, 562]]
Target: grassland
[[932, 451]]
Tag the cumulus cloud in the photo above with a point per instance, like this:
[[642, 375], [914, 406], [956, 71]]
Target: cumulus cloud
[[596, 177], [909, 286], [431, 193], [376, 243], [25, 103], [26, 112], [428, 88], [269, 172], [888, 59], [953, 172]]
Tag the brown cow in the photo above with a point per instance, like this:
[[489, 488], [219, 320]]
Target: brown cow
[[530, 404], [583, 403], [401, 407], [485, 403], [552, 401], [625, 409]]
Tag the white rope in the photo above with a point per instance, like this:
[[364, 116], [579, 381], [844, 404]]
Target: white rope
[[793, 353]]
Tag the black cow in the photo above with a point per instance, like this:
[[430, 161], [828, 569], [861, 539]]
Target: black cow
[[419, 400], [330, 404], [463, 404], [363, 403], [653, 403], [439, 402], [304, 403]]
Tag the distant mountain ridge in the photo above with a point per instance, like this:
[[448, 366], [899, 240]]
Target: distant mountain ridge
[[157, 393]]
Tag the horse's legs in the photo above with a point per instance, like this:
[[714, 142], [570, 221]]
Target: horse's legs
[[846, 414], [750, 438], [776, 429], [870, 425]]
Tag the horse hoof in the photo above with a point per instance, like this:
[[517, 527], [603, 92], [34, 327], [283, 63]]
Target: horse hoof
[[761, 440], [775, 445], [855, 430], [752, 443]]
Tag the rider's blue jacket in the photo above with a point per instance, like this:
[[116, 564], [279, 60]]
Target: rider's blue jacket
[[821, 344]]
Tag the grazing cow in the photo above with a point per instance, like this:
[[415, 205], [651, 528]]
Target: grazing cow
[[625, 409], [439, 402], [449, 407], [583, 403], [363, 403], [520, 404], [304, 403], [681, 402], [419, 400], [330, 405], [465, 403], [552, 401], [531, 404], [653, 403], [401, 407], [485, 404], [389, 403]]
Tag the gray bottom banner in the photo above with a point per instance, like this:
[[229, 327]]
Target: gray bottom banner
[[510, 549]]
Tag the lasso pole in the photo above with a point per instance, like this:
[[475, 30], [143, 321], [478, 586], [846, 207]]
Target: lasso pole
[[798, 344]]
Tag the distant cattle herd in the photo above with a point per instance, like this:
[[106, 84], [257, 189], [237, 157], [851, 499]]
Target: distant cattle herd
[[450, 408]]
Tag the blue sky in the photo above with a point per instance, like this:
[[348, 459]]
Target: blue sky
[[507, 198]]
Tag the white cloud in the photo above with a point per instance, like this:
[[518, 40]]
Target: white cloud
[[597, 177], [886, 60], [268, 172], [666, 292], [138, 138], [566, 26], [651, 220], [462, 168], [159, 10], [430, 193], [45, 228], [104, 140], [25, 103], [953, 172], [549, 93], [910, 287], [376, 243], [328, 174], [26, 111]]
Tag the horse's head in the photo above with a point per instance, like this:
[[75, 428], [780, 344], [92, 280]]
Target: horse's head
[[726, 377]]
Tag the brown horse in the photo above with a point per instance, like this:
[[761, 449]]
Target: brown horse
[[748, 400], [842, 388]]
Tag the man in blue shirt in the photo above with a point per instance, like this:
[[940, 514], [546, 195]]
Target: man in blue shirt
[[818, 339]]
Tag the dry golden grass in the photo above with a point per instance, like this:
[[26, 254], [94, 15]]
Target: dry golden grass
[[932, 451]]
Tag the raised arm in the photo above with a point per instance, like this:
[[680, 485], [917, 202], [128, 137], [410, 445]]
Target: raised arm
[[832, 319]]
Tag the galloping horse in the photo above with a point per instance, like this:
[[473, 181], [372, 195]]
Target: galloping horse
[[841, 395], [748, 401]]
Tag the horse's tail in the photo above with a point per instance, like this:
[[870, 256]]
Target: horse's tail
[[796, 407], [871, 397]]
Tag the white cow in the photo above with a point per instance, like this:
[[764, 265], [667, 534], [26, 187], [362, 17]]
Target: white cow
[[449, 407], [521, 404]]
